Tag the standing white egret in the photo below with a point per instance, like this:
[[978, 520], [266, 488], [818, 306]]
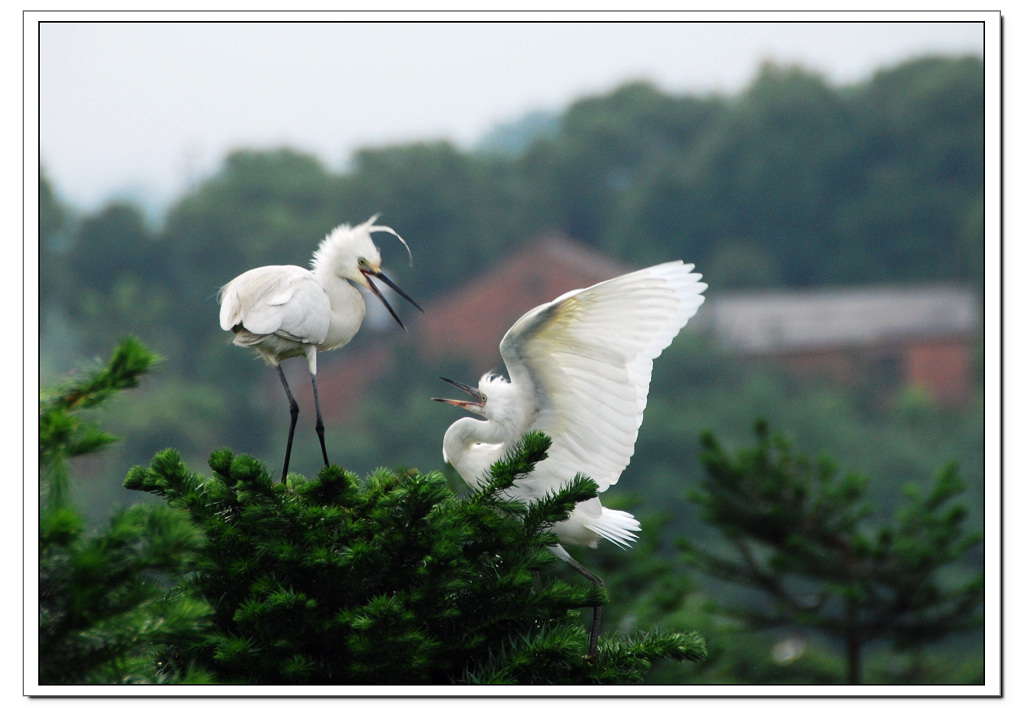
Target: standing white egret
[[579, 370], [284, 311]]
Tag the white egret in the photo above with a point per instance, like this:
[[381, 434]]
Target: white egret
[[579, 370], [284, 311]]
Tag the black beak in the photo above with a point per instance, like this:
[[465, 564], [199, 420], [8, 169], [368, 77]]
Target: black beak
[[478, 399], [373, 288]]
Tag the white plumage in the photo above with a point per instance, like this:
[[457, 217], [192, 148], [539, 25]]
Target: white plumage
[[579, 370], [284, 311]]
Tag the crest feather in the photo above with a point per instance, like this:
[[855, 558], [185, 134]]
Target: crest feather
[[345, 243]]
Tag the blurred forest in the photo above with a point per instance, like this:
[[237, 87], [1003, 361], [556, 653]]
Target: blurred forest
[[793, 182]]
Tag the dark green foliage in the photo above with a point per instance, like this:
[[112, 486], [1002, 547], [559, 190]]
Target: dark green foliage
[[804, 537], [395, 581], [64, 433], [105, 602]]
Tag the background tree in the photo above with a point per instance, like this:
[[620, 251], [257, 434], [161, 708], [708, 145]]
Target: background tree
[[798, 534]]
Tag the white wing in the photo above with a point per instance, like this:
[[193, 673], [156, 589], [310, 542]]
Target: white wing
[[587, 357], [284, 300]]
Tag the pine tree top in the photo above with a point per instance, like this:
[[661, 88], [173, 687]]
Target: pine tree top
[[392, 580]]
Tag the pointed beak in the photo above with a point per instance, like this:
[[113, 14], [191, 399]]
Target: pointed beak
[[478, 400], [367, 273]]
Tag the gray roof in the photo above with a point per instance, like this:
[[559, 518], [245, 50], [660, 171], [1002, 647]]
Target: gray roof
[[780, 321]]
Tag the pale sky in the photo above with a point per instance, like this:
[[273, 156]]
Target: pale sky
[[143, 108]]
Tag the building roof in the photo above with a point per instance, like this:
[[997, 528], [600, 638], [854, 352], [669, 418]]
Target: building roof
[[789, 320]]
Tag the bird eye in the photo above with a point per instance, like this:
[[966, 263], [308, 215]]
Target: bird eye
[[483, 397], [363, 262]]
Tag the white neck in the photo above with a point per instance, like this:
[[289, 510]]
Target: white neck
[[472, 445], [347, 309]]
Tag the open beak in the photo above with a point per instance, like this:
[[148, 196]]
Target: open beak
[[373, 288], [478, 400]]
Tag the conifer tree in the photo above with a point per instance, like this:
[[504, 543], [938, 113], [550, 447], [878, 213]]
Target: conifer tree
[[65, 433], [391, 581], [104, 598], [804, 538]]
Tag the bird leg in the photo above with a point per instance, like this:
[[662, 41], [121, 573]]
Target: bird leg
[[319, 422], [595, 626], [294, 408]]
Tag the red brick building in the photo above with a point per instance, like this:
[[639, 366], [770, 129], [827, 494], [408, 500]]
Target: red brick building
[[471, 321]]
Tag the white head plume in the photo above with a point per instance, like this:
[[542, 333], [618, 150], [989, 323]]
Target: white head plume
[[345, 245]]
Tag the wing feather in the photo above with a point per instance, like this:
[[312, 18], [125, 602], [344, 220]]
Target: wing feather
[[284, 300], [587, 357]]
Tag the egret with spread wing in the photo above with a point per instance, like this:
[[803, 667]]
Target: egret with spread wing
[[288, 311], [579, 370]]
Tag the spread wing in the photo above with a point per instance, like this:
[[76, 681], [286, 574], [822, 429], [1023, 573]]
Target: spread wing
[[283, 300], [587, 357]]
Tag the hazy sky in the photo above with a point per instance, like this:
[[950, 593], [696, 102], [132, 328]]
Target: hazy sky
[[143, 108]]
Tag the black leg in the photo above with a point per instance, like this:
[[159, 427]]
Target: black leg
[[294, 409], [319, 422], [595, 626]]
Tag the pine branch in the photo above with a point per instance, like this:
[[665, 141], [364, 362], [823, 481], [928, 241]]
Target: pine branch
[[64, 434]]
